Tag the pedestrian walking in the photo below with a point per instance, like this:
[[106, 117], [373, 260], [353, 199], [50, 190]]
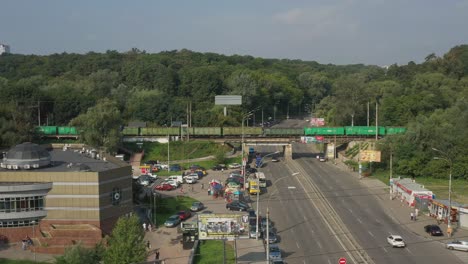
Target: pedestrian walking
[[202, 186], [412, 216], [416, 213], [181, 189], [148, 244], [157, 254], [144, 227], [23, 245], [191, 187], [150, 227]]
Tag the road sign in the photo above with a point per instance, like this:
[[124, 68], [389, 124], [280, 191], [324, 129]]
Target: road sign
[[342, 261]]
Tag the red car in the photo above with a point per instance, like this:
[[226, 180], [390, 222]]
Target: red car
[[184, 215], [164, 187]]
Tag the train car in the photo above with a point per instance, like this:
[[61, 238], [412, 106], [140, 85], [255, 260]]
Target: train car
[[66, 130], [160, 131], [324, 131], [395, 130], [131, 131], [206, 131], [364, 130], [46, 130], [276, 132], [238, 131]]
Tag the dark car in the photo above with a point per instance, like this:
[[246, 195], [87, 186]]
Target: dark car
[[184, 215], [175, 167], [237, 206], [197, 206], [433, 230], [219, 167], [271, 237], [252, 213], [252, 170]]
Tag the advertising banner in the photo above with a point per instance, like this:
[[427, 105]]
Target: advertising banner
[[370, 155], [317, 121], [223, 226]]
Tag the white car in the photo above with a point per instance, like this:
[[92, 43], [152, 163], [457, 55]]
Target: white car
[[234, 166], [396, 241], [172, 182], [458, 245], [190, 179]]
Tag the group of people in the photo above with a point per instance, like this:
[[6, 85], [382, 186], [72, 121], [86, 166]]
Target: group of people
[[147, 227], [26, 242], [414, 215]]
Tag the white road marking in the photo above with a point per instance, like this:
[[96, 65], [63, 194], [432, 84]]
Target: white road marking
[[297, 244], [359, 220], [409, 251], [320, 245], [385, 249], [350, 210], [370, 233], [329, 261], [305, 218]]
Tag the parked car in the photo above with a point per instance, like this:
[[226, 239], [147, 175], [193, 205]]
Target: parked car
[[174, 184], [253, 232], [396, 241], [145, 180], [252, 213], [175, 167], [234, 166], [275, 252], [177, 178], [433, 230], [164, 187], [190, 179], [272, 237], [197, 206], [458, 245], [172, 221], [237, 206], [184, 215], [219, 167], [252, 170]]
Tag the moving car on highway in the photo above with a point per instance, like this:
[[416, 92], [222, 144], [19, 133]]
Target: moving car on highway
[[396, 241], [458, 245]]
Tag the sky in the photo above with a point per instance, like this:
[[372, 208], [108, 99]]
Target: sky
[[373, 32]]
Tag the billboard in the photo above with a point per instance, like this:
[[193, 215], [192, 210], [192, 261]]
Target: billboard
[[223, 226], [228, 100], [317, 121], [370, 155]]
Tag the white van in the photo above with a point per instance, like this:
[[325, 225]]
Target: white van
[[177, 178]]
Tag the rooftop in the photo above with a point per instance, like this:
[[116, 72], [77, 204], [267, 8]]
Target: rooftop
[[71, 160]]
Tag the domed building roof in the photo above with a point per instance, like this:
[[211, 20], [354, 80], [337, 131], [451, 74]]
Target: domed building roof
[[26, 156]]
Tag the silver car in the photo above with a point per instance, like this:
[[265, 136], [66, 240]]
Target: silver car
[[458, 245]]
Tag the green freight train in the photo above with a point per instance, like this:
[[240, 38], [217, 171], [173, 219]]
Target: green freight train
[[364, 131]]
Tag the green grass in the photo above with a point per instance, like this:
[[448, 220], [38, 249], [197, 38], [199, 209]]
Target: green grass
[[170, 206], [211, 252], [438, 186]]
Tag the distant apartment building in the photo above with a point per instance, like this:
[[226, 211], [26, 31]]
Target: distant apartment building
[[4, 48]]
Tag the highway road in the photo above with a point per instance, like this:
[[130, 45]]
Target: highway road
[[322, 213]]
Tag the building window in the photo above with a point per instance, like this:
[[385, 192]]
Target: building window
[[21, 204]]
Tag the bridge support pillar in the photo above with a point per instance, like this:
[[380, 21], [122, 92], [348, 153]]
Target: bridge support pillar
[[288, 152]]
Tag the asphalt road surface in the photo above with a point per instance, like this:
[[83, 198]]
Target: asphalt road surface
[[322, 213]]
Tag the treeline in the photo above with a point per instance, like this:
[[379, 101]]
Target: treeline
[[99, 92]]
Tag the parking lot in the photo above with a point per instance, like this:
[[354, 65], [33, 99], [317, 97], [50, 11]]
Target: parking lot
[[168, 240]]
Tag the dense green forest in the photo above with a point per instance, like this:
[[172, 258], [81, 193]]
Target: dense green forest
[[100, 92]]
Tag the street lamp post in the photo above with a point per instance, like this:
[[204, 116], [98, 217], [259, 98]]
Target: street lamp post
[[449, 161], [242, 141], [168, 148], [268, 216], [33, 222]]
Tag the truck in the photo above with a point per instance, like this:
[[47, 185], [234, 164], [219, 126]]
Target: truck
[[253, 187], [262, 182]]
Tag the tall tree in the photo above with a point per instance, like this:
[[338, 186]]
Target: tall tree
[[100, 125], [126, 243]]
